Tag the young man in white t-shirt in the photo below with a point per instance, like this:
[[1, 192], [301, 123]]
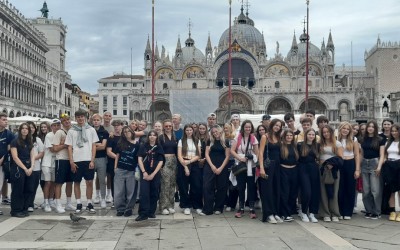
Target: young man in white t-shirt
[[81, 140], [48, 166]]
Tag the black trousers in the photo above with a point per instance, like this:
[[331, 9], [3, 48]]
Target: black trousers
[[270, 191], [21, 189], [347, 185], [289, 190], [190, 187], [110, 171], [242, 181], [149, 195], [35, 179], [214, 189], [309, 176]]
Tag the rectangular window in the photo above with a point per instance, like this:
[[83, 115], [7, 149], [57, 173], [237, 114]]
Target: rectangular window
[[105, 100], [124, 85], [124, 100], [125, 112], [115, 85], [114, 112], [115, 100], [105, 85]]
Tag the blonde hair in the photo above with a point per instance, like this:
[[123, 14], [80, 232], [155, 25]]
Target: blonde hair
[[231, 132], [222, 137], [349, 139], [97, 115]]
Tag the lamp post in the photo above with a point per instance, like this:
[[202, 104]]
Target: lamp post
[[307, 45], [230, 61], [153, 109]]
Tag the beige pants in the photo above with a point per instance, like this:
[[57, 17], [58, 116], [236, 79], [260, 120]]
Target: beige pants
[[329, 207]]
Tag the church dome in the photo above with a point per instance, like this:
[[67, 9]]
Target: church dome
[[190, 53], [313, 51]]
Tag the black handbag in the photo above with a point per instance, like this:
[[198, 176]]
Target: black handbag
[[241, 166], [267, 161]]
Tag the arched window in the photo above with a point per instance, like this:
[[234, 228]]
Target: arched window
[[165, 86], [277, 84], [361, 106], [194, 85]]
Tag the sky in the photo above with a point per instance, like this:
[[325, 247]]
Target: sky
[[102, 33]]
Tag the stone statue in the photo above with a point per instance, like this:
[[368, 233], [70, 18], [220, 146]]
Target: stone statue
[[277, 47], [45, 10]]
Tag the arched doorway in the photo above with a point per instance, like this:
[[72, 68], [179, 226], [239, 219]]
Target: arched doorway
[[279, 106], [317, 105], [162, 110], [242, 73]]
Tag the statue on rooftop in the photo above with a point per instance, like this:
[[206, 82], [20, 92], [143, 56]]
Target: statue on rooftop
[[45, 10]]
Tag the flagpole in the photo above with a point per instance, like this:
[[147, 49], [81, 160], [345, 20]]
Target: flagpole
[[308, 38], [153, 109], [230, 61]]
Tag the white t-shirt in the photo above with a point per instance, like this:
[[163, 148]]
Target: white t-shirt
[[347, 153], [38, 147], [191, 151], [84, 153], [49, 157], [328, 152], [393, 151], [58, 137]]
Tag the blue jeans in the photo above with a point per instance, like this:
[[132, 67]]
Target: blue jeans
[[372, 186]]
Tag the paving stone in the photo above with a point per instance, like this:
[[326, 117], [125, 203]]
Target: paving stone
[[102, 235], [138, 244], [140, 234], [244, 243], [215, 232], [180, 243], [37, 224], [177, 224], [67, 231], [108, 224], [143, 224], [374, 245], [178, 233], [23, 235], [310, 242], [211, 221]]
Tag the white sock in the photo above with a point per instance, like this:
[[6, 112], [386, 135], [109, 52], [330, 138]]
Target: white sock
[[89, 201], [68, 200], [108, 192], [97, 192], [58, 202], [46, 201]]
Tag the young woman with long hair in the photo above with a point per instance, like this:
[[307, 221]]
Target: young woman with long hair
[[309, 176], [38, 148], [22, 165], [386, 193], [203, 136], [233, 193], [391, 173], [190, 174], [270, 152], [361, 131], [245, 149], [151, 156], [169, 144], [260, 131], [44, 128], [288, 175], [124, 180], [330, 149], [350, 170], [373, 147], [215, 172]]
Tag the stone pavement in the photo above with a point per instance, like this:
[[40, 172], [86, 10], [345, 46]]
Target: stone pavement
[[106, 231]]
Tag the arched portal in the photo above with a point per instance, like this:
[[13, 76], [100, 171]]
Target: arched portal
[[242, 73], [314, 104], [162, 110], [279, 106]]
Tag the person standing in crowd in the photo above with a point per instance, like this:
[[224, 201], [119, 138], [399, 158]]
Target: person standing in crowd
[[38, 152], [386, 193], [81, 140], [215, 172], [169, 144], [233, 193], [391, 169], [107, 117], [157, 126], [6, 137], [203, 136], [306, 124], [363, 128], [211, 120], [195, 127], [322, 121], [309, 176], [124, 180], [176, 122], [266, 120], [63, 172], [331, 159], [373, 147], [245, 149], [48, 167], [269, 180], [235, 120], [190, 175], [111, 150], [100, 162], [350, 170], [290, 120], [22, 165], [260, 131], [288, 175], [44, 128], [151, 156], [310, 114]]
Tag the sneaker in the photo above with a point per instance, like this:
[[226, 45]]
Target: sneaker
[[217, 212], [78, 208], [128, 213], [304, 218], [278, 219], [253, 214], [109, 199], [398, 218], [120, 213], [335, 219], [1, 213], [103, 203], [30, 209], [43, 205], [368, 215], [69, 207], [228, 209], [239, 213], [112, 206], [375, 217], [53, 204], [35, 206], [141, 218], [271, 219], [165, 212], [96, 200], [312, 218], [6, 201], [327, 219], [392, 216], [60, 209], [346, 217], [186, 211], [287, 219], [90, 209], [47, 208], [200, 212], [171, 210]]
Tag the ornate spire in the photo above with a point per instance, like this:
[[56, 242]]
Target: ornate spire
[[294, 41], [178, 45], [209, 47], [303, 37], [190, 42], [156, 53], [148, 49], [330, 42]]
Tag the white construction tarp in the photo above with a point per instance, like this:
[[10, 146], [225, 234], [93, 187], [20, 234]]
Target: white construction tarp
[[193, 105]]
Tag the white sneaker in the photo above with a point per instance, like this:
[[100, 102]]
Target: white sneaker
[[347, 218], [335, 219], [96, 200], [70, 207], [60, 209], [199, 211], [109, 198], [165, 212], [171, 210], [30, 209], [186, 211], [304, 218], [103, 203], [217, 212], [47, 208], [312, 218], [53, 204], [228, 209], [327, 219], [43, 205], [271, 219], [278, 219]]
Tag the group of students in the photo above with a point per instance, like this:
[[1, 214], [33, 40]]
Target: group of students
[[310, 173]]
